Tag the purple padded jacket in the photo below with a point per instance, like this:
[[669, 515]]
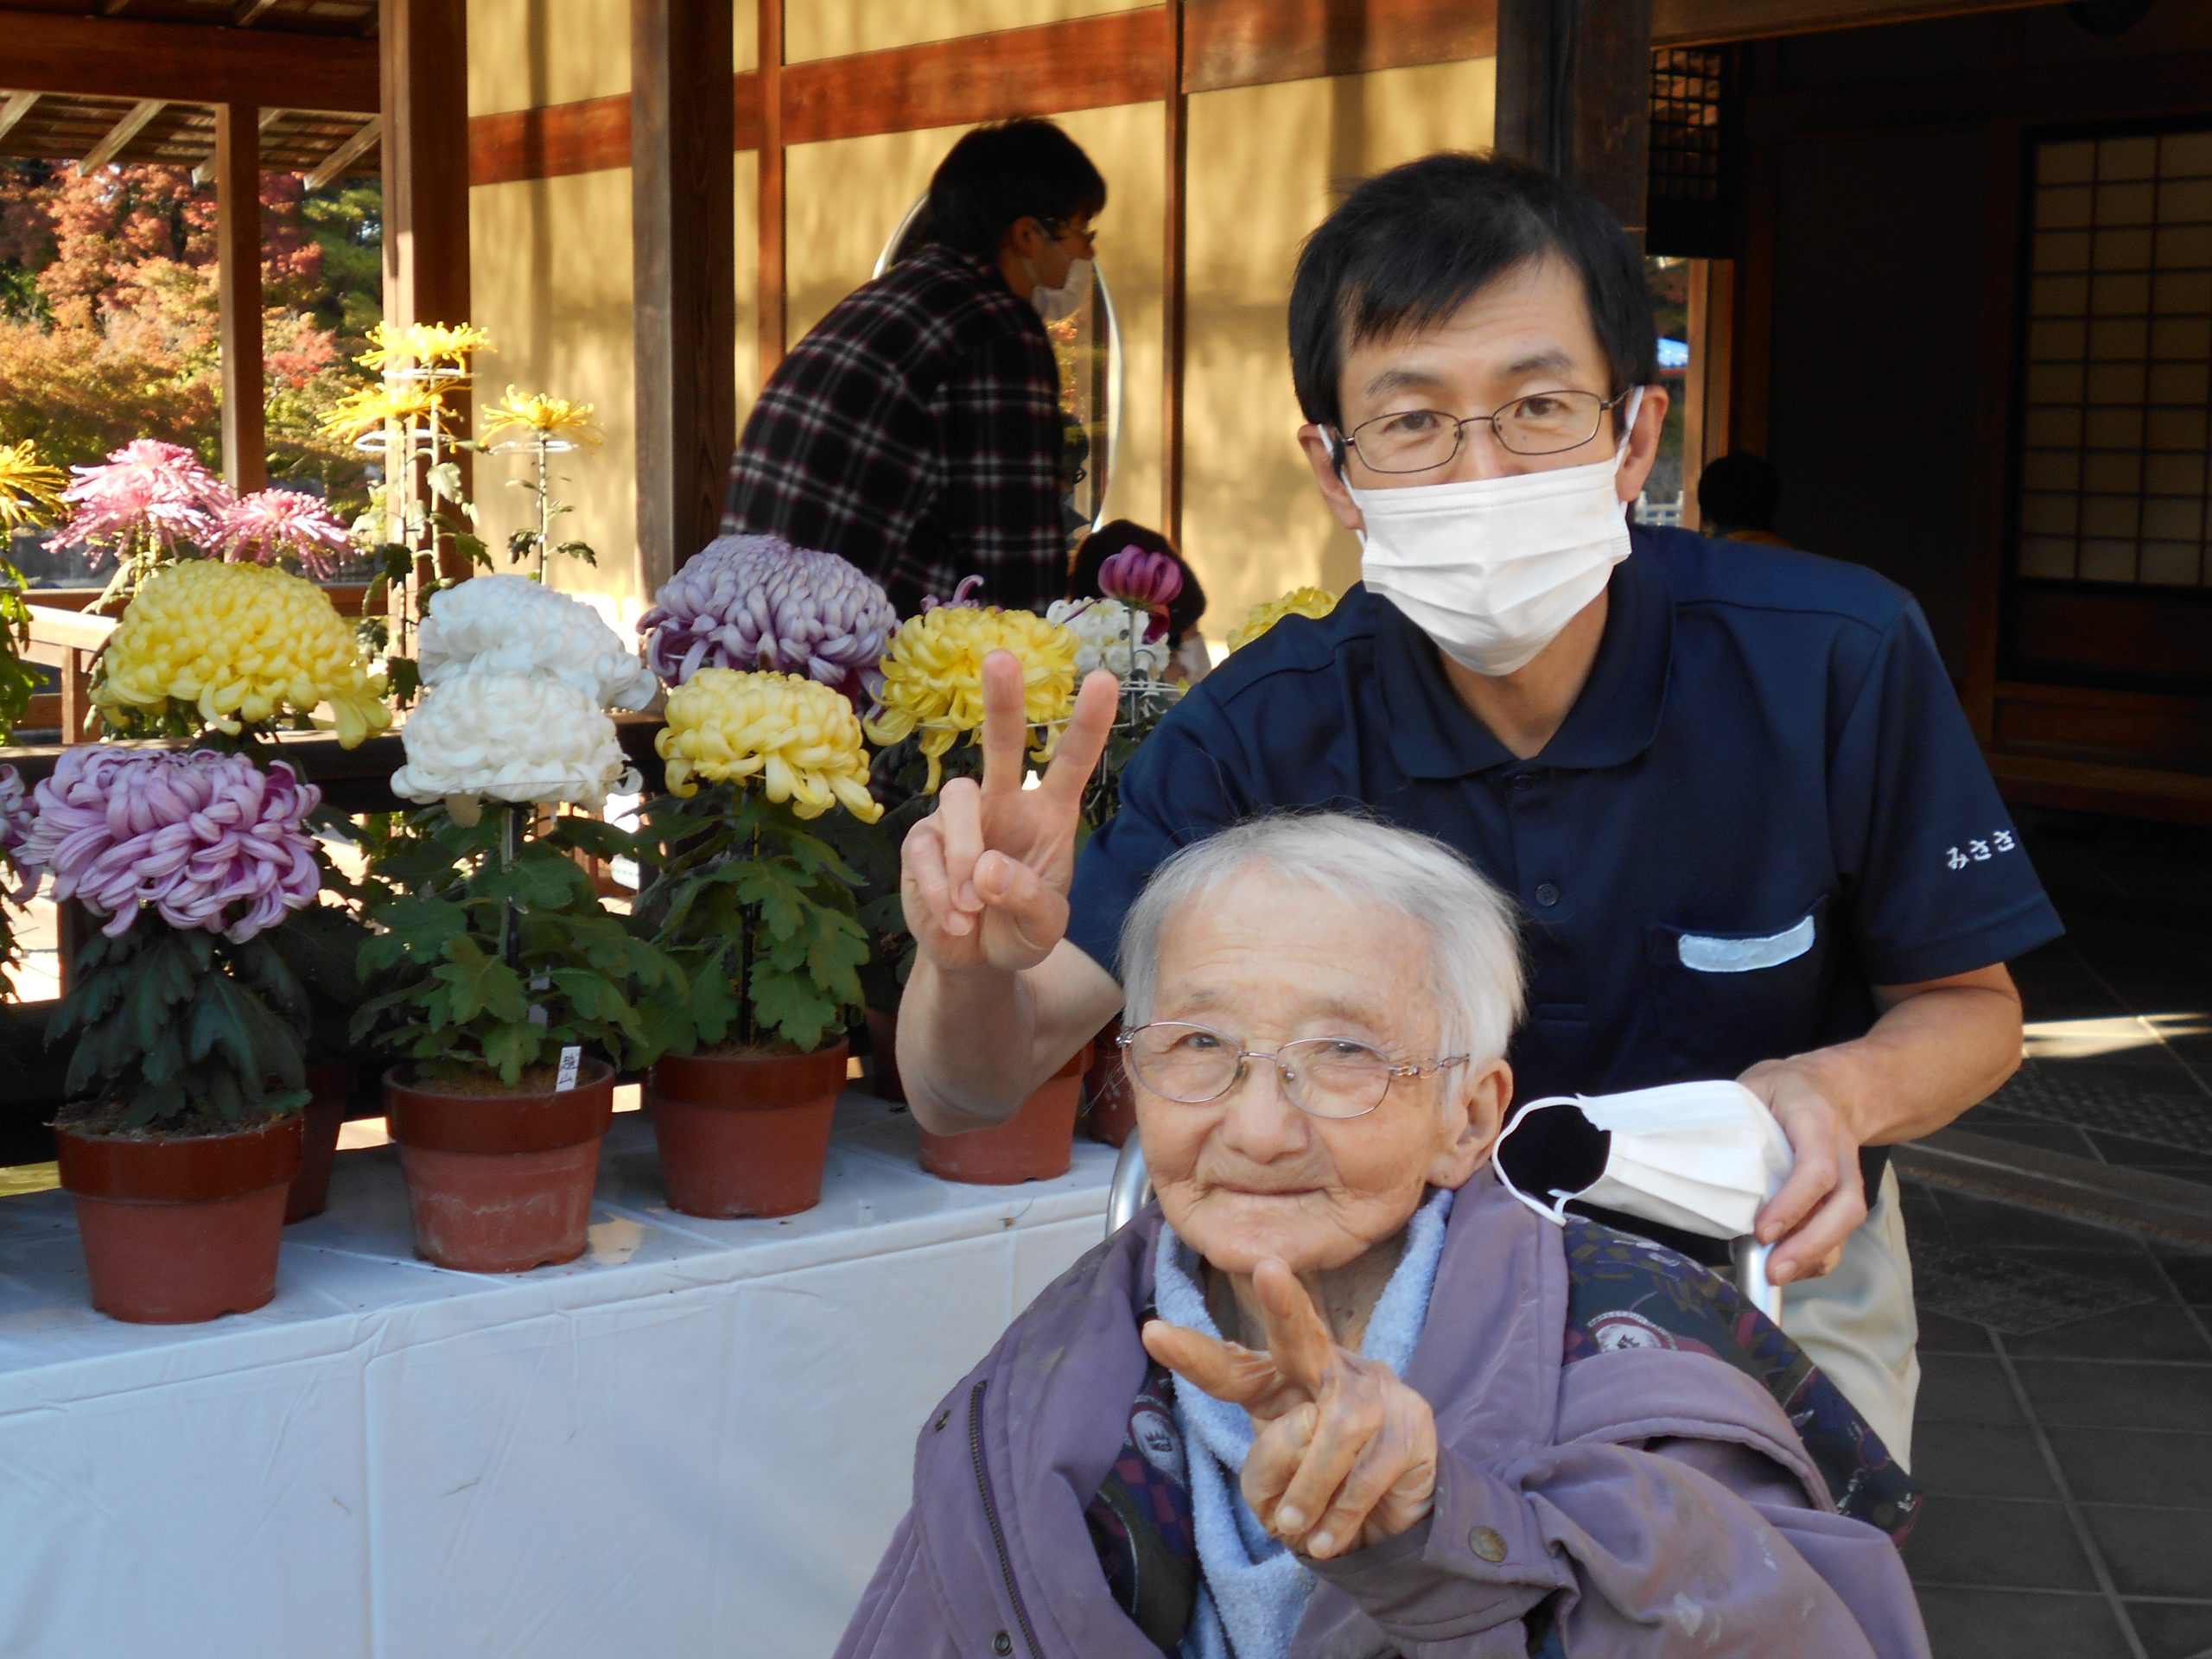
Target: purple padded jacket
[[1659, 1498]]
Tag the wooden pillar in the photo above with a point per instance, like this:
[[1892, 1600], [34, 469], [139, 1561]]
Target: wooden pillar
[[769, 80], [683, 226], [1574, 95], [1174, 263], [237, 288], [425, 68]]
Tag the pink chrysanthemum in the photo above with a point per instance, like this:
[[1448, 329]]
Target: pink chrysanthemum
[[209, 840], [147, 489], [1145, 582], [273, 525]]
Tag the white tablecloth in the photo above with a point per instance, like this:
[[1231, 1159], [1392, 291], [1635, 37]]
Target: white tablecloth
[[694, 1440]]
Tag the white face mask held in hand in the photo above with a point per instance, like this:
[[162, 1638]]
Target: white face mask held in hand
[[1071, 296], [1701, 1157], [1493, 568]]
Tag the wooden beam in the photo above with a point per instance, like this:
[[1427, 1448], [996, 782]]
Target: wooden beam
[[247, 13], [238, 290], [18, 106], [1175, 265], [346, 154], [770, 304], [1574, 95], [206, 170], [552, 142], [425, 53], [1087, 63], [187, 63], [684, 219], [1698, 23], [121, 134], [1256, 42]]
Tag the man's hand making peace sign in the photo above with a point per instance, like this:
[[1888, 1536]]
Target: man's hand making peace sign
[[984, 884], [1343, 1454]]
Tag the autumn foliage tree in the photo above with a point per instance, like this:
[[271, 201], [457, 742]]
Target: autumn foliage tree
[[108, 315]]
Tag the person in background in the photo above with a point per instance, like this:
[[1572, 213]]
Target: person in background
[[916, 429], [1187, 656], [1736, 497]]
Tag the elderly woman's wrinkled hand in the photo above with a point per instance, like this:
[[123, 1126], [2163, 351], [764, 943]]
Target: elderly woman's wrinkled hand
[[1343, 1454]]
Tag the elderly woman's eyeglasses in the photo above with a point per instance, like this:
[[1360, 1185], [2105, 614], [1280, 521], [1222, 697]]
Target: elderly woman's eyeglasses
[[1422, 440], [1322, 1076]]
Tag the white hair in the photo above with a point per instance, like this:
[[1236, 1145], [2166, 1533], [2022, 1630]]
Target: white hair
[[1474, 951]]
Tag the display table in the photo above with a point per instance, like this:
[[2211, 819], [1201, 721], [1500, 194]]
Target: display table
[[694, 1440]]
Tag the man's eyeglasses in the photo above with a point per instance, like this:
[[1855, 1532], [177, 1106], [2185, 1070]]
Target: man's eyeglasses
[[1322, 1076], [1422, 440]]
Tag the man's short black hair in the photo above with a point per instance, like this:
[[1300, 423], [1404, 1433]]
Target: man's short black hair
[[1740, 492], [1409, 247], [1006, 172]]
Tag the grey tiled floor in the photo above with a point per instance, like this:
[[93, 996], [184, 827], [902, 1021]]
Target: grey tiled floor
[[2064, 1437]]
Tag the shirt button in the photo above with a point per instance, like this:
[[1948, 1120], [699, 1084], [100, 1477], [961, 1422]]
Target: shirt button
[[1002, 1644], [1546, 894], [1520, 780], [1487, 1542]]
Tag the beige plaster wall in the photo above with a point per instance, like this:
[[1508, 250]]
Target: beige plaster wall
[[1267, 164], [831, 29], [522, 54], [559, 312]]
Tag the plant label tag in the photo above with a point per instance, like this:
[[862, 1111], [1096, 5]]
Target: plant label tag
[[538, 1015], [571, 1057]]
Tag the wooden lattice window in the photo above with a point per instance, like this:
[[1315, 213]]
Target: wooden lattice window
[[1691, 206], [2114, 444]]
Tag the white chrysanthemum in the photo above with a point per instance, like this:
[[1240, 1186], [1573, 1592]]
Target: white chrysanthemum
[[1103, 629], [510, 624], [509, 737]]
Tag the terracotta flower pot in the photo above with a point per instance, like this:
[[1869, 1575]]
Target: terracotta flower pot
[[744, 1134], [333, 1087], [179, 1229], [1035, 1144], [500, 1183], [883, 1045], [1113, 1115]]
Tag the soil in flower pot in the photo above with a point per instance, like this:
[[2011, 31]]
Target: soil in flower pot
[[1112, 1105], [1035, 1144], [178, 1229], [333, 1087], [745, 1132], [500, 1179]]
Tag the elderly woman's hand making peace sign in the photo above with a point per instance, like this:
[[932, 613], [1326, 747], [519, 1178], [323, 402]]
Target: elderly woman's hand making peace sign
[[984, 879], [1343, 1454]]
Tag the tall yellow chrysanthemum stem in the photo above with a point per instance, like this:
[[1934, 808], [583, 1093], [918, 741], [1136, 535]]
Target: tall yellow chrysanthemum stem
[[544, 504]]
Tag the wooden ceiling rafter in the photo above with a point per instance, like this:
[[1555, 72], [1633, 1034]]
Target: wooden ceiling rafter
[[341, 159], [122, 133], [18, 106], [197, 62]]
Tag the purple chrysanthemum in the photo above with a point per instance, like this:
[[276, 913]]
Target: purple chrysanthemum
[[757, 602], [209, 840]]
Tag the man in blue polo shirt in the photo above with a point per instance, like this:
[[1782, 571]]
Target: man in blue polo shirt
[[1732, 787]]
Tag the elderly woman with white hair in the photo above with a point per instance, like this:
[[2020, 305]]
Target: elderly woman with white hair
[[1337, 1392]]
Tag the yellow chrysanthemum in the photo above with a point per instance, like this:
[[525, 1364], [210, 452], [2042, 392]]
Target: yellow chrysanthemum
[[543, 415], [425, 344], [1299, 602], [933, 678], [30, 491], [238, 642], [364, 411], [800, 738]]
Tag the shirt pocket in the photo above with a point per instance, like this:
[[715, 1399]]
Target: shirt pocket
[[1725, 1000]]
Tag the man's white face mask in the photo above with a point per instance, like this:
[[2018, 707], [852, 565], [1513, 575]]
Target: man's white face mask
[[1070, 297], [1493, 568]]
